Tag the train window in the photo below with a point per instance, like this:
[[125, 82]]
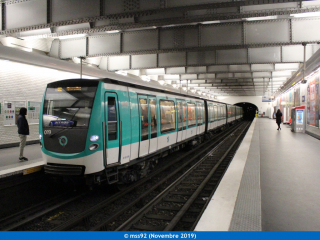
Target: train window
[[144, 119], [191, 114], [153, 115], [64, 108], [184, 116], [199, 112], [112, 118], [212, 114], [180, 116], [215, 113], [168, 116], [203, 114]]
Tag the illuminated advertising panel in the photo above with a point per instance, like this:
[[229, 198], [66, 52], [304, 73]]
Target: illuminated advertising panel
[[313, 101], [299, 119]]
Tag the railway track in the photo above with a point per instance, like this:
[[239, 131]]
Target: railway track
[[111, 212], [180, 205], [21, 218], [99, 218]]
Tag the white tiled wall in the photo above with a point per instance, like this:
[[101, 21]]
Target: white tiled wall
[[24, 82]]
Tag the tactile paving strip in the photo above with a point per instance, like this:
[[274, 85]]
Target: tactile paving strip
[[247, 212]]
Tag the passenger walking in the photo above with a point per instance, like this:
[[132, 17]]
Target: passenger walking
[[278, 118], [23, 131]]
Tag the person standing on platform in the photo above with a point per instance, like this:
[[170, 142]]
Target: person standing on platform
[[23, 131], [278, 118]]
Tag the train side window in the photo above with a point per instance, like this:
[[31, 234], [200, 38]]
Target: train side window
[[199, 112], [153, 115], [180, 116], [112, 119], [184, 116], [168, 116], [191, 114], [211, 114], [203, 114], [144, 119], [215, 113]]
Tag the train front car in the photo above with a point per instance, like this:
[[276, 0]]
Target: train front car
[[70, 130]]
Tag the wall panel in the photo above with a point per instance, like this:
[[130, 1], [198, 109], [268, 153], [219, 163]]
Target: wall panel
[[267, 32], [26, 13], [201, 58], [172, 59], [305, 30], [140, 40], [226, 34], [118, 63], [104, 44], [144, 61], [73, 48], [232, 56], [265, 55], [63, 10]]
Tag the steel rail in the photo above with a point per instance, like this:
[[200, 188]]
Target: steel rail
[[86, 214], [42, 213], [125, 226]]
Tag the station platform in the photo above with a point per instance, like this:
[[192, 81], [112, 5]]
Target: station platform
[[10, 164], [272, 184]]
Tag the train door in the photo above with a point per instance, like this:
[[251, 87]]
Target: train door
[[148, 125], [215, 113], [153, 130], [199, 117], [112, 129], [182, 120]]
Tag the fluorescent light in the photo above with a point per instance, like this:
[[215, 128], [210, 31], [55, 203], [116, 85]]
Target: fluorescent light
[[261, 18], [121, 72], [309, 14], [113, 31], [145, 78], [210, 22], [73, 36]]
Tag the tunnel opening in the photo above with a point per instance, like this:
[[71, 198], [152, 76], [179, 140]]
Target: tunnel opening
[[249, 110]]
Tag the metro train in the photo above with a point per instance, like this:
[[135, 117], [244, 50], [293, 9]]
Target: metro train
[[116, 130]]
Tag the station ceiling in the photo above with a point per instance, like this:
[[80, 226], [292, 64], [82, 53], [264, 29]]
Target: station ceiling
[[211, 47]]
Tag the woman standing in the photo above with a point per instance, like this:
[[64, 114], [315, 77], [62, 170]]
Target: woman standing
[[23, 131], [278, 118]]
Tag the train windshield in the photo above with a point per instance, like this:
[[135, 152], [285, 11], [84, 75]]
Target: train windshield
[[68, 105]]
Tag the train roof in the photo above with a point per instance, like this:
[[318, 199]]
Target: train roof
[[136, 82]]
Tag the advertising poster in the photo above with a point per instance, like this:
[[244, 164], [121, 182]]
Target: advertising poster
[[11, 111], [299, 120], [313, 101], [290, 102], [33, 112], [282, 103], [297, 96]]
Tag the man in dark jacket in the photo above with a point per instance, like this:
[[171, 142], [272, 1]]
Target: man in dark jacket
[[23, 131]]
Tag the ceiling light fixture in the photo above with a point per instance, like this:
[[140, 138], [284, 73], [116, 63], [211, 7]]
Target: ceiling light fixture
[[260, 18], [309, 14], [72, 36], [145, 78], [113, 31], [121, 72]]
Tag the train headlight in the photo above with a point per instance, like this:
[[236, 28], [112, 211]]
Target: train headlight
[[40, 136], [93, 146], [94, 138]]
